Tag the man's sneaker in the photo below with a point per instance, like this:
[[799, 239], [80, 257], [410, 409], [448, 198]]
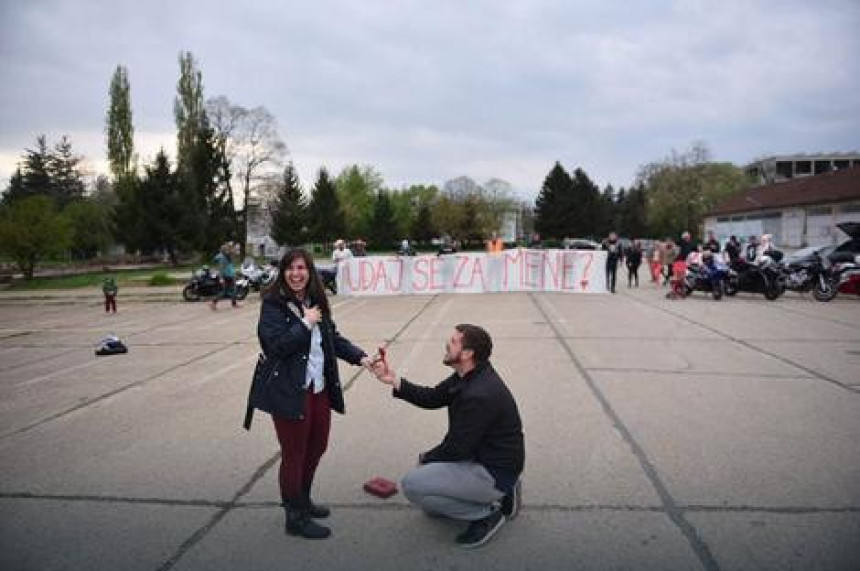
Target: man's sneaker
[[511, 503], [481, 531]]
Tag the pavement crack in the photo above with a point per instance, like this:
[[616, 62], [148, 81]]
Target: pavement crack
[[204, 530], [812, 372], [673, 511]]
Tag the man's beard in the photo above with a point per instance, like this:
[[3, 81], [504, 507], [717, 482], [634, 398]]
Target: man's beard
[[450, 360]]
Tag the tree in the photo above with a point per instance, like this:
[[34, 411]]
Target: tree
[[188, 110], [162, 208], [325, 222], [249, 148], [357, 190], [66, 181], [16, 189], [30, 230], [585, 205], [260, 149], [425, 228], [383, 233], [448, 217], [119, 129], [288, 211], [92, 227], [36, 174], [682, 188], [554, 205]]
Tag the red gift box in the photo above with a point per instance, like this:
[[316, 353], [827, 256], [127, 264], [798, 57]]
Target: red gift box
[[380, 487]]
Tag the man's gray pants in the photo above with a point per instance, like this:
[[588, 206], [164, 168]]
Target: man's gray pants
[[459, 490]]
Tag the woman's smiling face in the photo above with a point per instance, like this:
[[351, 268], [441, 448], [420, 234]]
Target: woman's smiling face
[[297, 276]]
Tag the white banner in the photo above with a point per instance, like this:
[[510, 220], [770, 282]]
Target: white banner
[[572, 271]]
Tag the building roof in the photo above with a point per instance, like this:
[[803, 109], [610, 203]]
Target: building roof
[[835, 186], [808, 157]]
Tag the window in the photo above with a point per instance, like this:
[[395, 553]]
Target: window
[[855, 207], [803, 167], [783, 169], [819, 211], [823, 167]]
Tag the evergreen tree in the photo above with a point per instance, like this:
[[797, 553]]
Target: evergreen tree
[[67, 184], [128, 215], [383, 232], [162, 207], [36, 172], [16, 189], [325, 221], [288, 211], [633, 213], [119, 129], [553, 207], [585, 205]]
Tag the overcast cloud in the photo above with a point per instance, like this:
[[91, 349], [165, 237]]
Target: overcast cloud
[[427, 91]]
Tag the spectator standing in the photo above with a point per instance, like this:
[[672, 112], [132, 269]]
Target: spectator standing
[[109, 289], [712, 243], [613, 247], [633, 259], [224, 260], [668, 253], [340, 253]]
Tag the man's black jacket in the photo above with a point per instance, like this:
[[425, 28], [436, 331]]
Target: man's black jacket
[[483, 421]]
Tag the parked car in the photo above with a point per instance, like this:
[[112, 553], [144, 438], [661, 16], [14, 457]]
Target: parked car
[[580, 244], [846, 251]]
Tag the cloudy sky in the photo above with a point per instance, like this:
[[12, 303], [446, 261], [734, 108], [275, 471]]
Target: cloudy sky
[[426, 91]]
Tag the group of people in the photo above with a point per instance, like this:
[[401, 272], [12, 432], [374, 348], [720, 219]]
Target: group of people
[[472, 475], [664, 254], [615, 253]]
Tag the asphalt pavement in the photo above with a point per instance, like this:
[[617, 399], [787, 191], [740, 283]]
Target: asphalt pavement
[[660, 434]]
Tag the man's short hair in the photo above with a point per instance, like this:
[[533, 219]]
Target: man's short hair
[[476, 339]]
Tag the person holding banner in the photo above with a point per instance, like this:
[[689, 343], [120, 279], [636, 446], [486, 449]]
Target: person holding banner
[[298, 335], [474, 473]]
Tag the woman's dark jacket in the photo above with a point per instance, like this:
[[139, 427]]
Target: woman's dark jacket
[[286, 342], [483, 420]]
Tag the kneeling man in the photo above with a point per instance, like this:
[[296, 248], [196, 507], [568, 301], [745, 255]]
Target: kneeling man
[[474, 473]]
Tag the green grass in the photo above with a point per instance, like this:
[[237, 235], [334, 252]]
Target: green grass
[[124, 278]]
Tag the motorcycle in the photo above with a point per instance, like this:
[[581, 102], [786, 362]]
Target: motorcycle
[[258, 277], [206, 283], [761, 278], [812, 273], [709, 276]]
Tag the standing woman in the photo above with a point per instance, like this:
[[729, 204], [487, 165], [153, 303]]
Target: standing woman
[[296, 331]]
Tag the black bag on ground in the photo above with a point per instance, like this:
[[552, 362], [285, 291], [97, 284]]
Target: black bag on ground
[[111, 345]]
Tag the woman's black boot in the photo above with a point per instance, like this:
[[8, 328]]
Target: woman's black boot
[[314, 510], [299, 522]]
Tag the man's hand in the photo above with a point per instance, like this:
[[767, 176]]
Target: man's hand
[[385, 373]]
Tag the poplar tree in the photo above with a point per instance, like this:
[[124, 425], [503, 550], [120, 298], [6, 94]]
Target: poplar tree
[[119, 129]]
